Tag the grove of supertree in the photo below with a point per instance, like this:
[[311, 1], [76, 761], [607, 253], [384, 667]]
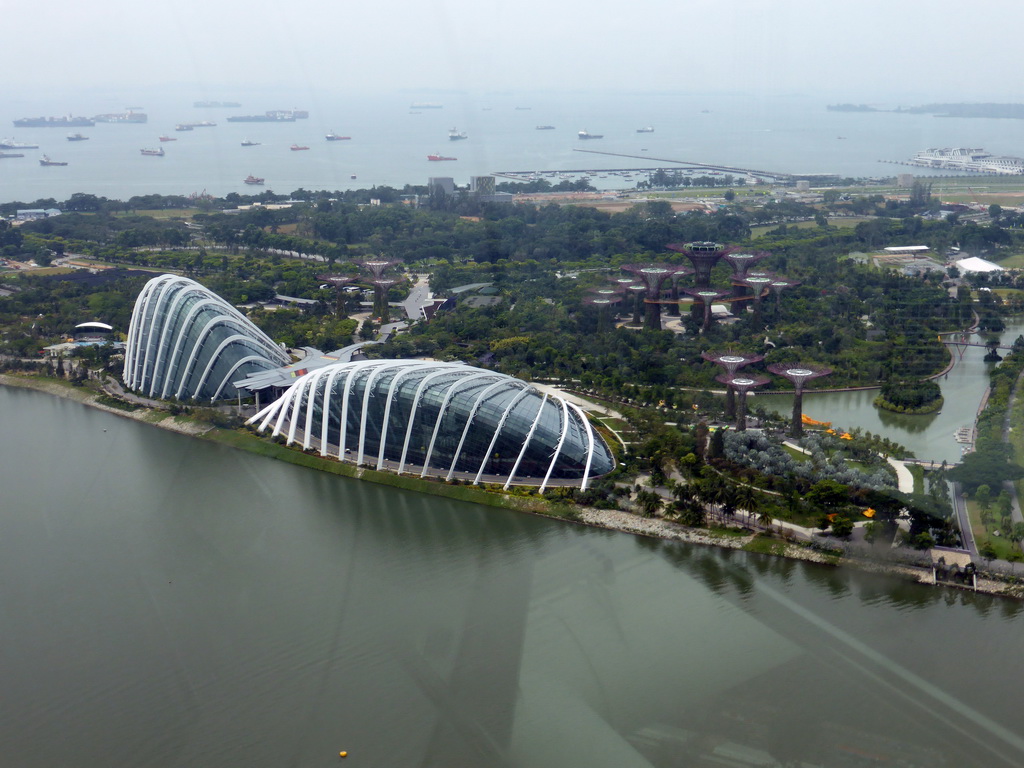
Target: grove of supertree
[[381, 284], [604, 301], [758, 285], [799, 375], [653, 277], [741, 385], [731, 362], [339, 282]]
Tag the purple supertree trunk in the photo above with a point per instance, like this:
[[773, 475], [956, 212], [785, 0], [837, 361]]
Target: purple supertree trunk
[[741, 385]]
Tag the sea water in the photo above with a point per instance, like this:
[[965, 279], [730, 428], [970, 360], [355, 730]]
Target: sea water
[[390, 139]]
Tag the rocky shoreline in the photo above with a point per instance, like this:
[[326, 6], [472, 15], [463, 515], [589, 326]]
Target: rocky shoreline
[[607, 519]]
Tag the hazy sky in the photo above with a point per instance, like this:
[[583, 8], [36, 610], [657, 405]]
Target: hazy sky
[[867, 49]]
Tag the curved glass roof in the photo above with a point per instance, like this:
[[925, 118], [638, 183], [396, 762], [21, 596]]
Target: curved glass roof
[[438, 419], [186, 342]]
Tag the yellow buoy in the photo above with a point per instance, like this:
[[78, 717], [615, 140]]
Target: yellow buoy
[[343, 754]]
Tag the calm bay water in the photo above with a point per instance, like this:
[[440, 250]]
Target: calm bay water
[[167, 602], [930, 436], [390, 141]]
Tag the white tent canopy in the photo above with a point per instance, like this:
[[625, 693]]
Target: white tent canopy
[[974, 264]]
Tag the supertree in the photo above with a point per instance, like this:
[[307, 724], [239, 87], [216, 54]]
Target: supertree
[[639, 291], [603, 300], [799, 375], [741, 385], [339, 282], [653, 277], [731, 362], [742, 261], [778, 285], [706, 297], [704, 256], [758, 285], [381, 284], [673, 307]]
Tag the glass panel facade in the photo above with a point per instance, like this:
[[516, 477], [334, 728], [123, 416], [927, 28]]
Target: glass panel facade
[[188, 343], [439, 418]]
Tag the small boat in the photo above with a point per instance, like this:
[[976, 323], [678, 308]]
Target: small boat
[[183, 127], [77, 137], [545, 127], [255, 180], [647, 129], [585, 135], [437, 156], [168, 138], [153, 152], [455, 135], [352, 176], [297, 148], [250, 143], [45, 160], [332, 136]]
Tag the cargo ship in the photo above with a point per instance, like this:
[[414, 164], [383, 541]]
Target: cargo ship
[[153, 152], [255, 180], [545, 127], [297, 148], [437, 157], [12, 144], [190, 126], [585, 135], [122, 117], [45, 160], [77, 137], [272, 116], [183, 127], [250, 143], [455, 135], [648, 129], [168, 138], [67, 121], [332, 136], [8, 155]]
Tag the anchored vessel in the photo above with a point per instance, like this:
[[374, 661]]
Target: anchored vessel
[[77, 137], [585, 135], [45, 160], [153, 152], [437, 156], [122, 117], [455, 135], [12, 144], [297, 148], [255, 180], [54, 122], [332, 136]]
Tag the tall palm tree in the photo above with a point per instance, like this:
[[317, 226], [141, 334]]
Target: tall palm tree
[[764, 517]]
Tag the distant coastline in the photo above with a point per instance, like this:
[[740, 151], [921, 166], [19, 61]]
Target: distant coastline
[[960, 109]]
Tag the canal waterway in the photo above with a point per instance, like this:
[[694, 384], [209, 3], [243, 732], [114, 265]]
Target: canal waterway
[[169, 602], [930, 436]]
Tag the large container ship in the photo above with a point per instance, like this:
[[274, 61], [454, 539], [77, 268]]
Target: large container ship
[[67, 121], [272, 116], [122, 117]]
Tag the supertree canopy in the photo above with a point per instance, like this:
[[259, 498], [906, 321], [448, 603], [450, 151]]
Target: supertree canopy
[[798, 374], [742, 261], [731, 362], [381, 284], [741, 384], [706, 297], [704, 256]]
